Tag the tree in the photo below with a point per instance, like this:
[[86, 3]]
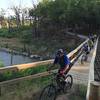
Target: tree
[[56, 15], [2, 13], [17, 11]]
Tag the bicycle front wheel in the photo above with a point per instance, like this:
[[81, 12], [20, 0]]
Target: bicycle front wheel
[[48, 93], [68, 84]]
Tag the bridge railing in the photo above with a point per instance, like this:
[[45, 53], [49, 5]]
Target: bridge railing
[[71, 55], [93, 88], [74, 55]]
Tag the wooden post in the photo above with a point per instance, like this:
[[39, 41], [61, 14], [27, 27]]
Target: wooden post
[[0, 90], [11, 62], [94, 91]]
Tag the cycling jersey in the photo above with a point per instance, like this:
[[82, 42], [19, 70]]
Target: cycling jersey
[[63, 61], [86, 49]]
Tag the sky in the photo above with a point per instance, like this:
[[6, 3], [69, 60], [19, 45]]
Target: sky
[[5, 4], [8, 4]]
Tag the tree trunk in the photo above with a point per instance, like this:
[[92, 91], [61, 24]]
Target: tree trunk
[[23, 20]]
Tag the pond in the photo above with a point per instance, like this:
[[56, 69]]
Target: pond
[[8, 59]]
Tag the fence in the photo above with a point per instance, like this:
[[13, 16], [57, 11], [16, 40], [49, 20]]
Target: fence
[[71, 55]]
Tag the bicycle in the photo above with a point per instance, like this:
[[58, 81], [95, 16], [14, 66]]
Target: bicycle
[[57, 84], [84, 58]]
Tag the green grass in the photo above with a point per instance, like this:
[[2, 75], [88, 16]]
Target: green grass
[[79, 92], [24, 90], [4, 32], [1, 64], [8, 75]]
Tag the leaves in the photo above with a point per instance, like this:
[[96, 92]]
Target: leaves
[[68, 12]]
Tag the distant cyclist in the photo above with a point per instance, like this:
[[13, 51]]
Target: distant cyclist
[[64, 62], [90, 44], [86, 49], [85, 52]]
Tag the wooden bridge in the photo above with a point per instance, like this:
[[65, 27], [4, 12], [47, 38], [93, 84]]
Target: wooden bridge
[[87, 74]]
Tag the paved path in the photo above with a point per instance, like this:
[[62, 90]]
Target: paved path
[[80, 72]]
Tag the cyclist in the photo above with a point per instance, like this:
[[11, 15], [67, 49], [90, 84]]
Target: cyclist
[[90, 43], [86, 49], [64, 62], [85, 52]]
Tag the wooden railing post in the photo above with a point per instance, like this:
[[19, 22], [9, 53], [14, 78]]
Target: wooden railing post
[[94, 91], [0, 90]]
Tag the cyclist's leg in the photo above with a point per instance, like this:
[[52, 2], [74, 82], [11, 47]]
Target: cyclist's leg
[[68, 69], [86, 56], [58, 78], [63, 75]]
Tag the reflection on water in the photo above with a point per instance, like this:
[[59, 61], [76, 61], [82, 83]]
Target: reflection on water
[[16, 59]]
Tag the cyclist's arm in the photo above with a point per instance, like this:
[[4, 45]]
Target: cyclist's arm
[[67, 63], [54, 63]]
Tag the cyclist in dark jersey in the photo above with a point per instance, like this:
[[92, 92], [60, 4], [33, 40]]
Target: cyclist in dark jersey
[[64, 62], [86, 49]]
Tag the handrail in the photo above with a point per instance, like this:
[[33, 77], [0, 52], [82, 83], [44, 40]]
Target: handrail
[[79, 47], [75, 52], [31, 76], [91, 71], [35, 64], [25, 66], [43, 74]]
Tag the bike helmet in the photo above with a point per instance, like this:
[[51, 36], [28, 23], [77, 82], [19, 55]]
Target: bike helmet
[[60, 51]]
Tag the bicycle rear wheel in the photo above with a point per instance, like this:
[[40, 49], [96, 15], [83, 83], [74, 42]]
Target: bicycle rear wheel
[[48, 93], [83, 59], [68, 84]]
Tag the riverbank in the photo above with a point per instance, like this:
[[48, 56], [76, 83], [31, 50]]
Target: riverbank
[[40, 48], [14, 52]]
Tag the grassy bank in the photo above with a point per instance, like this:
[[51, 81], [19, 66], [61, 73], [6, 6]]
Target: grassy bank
[[30, 90], [24, 90], [78, 93], [45, 48], [22, 40], [14, 32]]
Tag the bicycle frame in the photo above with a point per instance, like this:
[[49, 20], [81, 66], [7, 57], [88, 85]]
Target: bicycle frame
[[56, 80], [52, 89]]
